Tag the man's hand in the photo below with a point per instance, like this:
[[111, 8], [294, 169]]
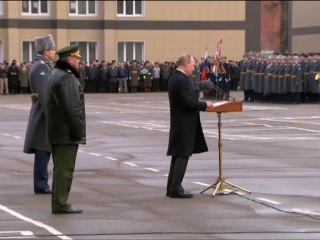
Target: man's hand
[[209, 104]]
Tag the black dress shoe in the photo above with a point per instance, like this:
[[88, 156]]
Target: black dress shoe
[[45, 191], [69, 210], [180, 195]]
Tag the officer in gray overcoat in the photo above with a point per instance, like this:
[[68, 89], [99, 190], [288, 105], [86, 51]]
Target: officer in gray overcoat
[[36, 141], [134, 76], [248, 91], [296, 80], [195, 79]]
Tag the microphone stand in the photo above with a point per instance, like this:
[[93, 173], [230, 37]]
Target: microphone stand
[[223, 93], [221, 180]]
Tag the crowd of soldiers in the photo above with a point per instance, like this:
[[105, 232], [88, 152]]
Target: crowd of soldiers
[[14, 77], [97, 76], [263, 77], [123, 77], [280, 78]]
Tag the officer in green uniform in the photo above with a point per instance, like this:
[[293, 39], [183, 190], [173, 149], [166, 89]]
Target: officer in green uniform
[[66, 125]]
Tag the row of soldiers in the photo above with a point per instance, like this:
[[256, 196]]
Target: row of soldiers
[[280, 78]]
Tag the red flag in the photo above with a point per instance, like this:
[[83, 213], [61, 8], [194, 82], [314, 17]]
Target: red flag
[[217, 56], [204, 66]]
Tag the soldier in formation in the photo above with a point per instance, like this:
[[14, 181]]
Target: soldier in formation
[[279, 78]]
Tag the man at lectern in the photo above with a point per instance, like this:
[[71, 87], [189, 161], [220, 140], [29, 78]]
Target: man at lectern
[[186, 136]]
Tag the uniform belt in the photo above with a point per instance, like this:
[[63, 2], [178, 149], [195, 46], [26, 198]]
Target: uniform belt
[[34, 96]]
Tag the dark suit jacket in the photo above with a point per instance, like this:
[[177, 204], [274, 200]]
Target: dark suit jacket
[[186, 136]]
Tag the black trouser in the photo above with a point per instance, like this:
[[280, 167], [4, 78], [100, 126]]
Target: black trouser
[[113, 87], [64, 159], [40, 170], [156, 84], [178, 168]]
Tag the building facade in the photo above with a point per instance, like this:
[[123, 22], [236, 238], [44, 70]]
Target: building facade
[[151, 30], [126, 30]]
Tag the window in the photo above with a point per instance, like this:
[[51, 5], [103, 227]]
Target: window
[[128, 51], [35, 7], [88, 51], [129, 8], [82, 7], [1, 7], [29, 51]]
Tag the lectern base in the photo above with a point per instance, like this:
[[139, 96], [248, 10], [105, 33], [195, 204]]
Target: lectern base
[[218, 185]]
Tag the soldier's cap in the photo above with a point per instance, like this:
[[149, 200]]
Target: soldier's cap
[[310, 54], [303, 55], [72, 50], [44, 43]]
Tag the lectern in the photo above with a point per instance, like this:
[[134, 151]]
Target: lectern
[[223, 107]]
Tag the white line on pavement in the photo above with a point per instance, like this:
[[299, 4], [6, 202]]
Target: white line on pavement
[[202, 184], [111, 158], [268, 201], [5, 134], [95, 154], [36, 223], [152, 169], [304, 211], [16, 137], [131, 164]]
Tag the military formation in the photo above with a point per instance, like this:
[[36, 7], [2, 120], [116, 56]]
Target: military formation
[[280, 78]]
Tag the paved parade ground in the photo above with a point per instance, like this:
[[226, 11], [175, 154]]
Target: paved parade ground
[[273, 150]]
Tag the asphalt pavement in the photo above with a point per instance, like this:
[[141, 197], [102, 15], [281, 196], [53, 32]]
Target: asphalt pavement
[[271, 150]]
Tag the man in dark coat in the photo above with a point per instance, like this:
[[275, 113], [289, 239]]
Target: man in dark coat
[[36, 139], [186, 136], [66, 125]]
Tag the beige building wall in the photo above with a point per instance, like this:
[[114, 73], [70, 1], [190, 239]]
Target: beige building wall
[[168, 45], [305, 13], [195, 10], [306, 43], [305, 16], [159, 44]]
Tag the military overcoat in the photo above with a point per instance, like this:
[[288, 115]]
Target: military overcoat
[[36, 137]]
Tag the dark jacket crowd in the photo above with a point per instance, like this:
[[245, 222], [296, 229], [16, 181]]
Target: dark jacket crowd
[[127, 77]]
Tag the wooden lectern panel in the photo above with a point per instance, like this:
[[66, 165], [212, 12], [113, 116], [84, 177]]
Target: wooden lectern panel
[[226, 106]]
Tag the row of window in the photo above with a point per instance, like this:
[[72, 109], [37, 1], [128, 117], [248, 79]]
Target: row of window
[[88, 8], [127, 51]]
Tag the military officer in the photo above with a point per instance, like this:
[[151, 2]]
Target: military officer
[[296, 80], [66, 125], [36, 140], [288, 79]]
